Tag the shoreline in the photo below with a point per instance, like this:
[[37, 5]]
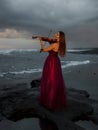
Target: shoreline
[[84, 77], [92, 51], [78, 77], [81, 77]]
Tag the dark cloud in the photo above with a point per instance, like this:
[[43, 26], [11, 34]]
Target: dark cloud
[[75, 17]]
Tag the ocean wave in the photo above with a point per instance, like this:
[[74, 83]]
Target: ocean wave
[[78, 50], [27, 71], [31, 71], [21, 72], [75, 63], [9, 51]]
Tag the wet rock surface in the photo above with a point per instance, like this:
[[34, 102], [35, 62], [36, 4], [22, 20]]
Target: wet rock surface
[[20, 101]]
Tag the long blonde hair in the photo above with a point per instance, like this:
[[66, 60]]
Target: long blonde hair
[[62, 44]]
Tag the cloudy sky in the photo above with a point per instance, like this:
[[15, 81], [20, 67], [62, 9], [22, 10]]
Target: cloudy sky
[[21, 19]]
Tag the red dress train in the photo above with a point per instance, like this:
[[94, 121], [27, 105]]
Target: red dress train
[[52, 87]]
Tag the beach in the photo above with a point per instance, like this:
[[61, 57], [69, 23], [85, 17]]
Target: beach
[[84, 77], [80, 71]]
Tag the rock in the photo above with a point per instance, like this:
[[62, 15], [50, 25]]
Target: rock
[[94, 118], [35, 83], [1, 117], [76, 110], [81, 92], [22, 102]]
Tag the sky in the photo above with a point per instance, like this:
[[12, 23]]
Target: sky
[[21, 19]]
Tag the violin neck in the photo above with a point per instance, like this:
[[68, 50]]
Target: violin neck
[[34, 37]]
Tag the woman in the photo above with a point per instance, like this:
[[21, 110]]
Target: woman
[[52, 87]]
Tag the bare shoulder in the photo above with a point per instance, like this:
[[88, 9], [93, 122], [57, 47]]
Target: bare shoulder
[[55, 44]]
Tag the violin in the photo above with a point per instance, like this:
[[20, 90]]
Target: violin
[[47, 39]]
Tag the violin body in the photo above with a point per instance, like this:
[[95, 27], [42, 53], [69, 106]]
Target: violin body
[[51, 40]]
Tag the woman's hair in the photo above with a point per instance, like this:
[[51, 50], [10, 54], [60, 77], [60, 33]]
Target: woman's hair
[[62, 44]]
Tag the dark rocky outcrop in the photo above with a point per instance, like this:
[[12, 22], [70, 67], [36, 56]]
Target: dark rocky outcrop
[[20, 101]]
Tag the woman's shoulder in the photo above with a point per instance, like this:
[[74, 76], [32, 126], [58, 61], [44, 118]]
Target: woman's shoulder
[[55, 44]]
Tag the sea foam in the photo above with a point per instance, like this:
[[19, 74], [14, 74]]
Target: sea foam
[[38, 70]]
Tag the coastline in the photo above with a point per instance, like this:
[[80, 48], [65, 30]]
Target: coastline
[[79, 77], [90, 51], [82, 77]]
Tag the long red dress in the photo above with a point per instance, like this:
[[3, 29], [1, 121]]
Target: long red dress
[[52, 86]]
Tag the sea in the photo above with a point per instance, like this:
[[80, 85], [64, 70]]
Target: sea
[[18, 62]]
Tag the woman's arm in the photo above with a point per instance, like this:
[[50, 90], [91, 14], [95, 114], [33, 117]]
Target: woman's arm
[[51, 47], [51, 40]]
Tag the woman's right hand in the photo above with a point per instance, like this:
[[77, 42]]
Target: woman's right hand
[[40, 38]]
